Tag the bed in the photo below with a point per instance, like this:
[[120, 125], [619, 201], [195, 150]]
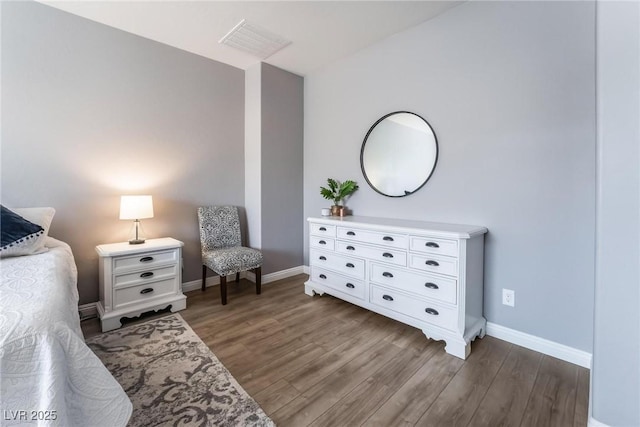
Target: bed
[[48, 376]]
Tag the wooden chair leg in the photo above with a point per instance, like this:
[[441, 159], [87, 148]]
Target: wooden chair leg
[[223, 289], [237, 277], [258, 272], [204, 277]]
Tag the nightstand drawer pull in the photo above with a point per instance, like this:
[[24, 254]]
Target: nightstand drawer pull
[[387, 255], [431, 311], [431, 285], [387, 297], [350, 285], [433, 263], [432, 245], [351, 248], [387, 239], [322, 229], [146, 259], [147, 274], [322, 242], [350, 265], [350, 233], [322, 276], [387, 274], [146, 290], [322, 258]]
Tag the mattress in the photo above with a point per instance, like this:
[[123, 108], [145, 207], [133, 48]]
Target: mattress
[[48, 376]]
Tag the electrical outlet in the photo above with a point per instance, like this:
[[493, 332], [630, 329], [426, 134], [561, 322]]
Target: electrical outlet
[[508, 297]]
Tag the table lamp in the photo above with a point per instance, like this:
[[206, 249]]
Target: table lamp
[[136, 208]]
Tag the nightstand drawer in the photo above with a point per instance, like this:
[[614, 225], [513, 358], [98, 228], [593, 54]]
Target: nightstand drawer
[[435, 264], [142, 261], [322, 230], [322, 243], [144, 292], [434, 246], [148, 275]]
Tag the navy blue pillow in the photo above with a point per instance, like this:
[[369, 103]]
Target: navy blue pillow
[[16, 229]]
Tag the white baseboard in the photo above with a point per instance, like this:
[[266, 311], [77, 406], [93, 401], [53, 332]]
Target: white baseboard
[[306, 269], [550, 348], [266, 278], [278, 275], [595, 423], [88, 310]]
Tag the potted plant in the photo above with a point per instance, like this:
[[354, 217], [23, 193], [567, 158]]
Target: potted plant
[[338, 191]]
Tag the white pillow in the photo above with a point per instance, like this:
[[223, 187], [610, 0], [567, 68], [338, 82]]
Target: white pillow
[[42, 217]]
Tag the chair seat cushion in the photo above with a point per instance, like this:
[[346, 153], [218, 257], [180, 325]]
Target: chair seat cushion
[[226, 261]]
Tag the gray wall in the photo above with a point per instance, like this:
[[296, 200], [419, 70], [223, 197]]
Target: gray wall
[[281, 168], [616, 347], [90, 113], [509, 89]]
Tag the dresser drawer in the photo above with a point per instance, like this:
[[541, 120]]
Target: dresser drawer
[[350, 266], [392, 256], [143, 292], [147, 260], [423, 310], [322, 243], [423, 284], [435, 264], [433, 246], [338, 282], [147, 275], [391, 240], [322, 230]]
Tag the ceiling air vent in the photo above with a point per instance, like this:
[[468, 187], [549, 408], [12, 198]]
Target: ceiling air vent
[[253, 39]]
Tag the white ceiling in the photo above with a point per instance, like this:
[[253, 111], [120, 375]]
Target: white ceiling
[[320, 31]]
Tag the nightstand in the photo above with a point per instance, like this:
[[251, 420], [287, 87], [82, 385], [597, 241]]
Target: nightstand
[[135, 279]]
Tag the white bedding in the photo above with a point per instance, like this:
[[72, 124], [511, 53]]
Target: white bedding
[[46, 370]]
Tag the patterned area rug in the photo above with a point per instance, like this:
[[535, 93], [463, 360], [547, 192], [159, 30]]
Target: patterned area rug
[[173, 379]]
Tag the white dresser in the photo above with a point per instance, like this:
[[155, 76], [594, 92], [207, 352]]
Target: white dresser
[[138, 278], [428, 275]]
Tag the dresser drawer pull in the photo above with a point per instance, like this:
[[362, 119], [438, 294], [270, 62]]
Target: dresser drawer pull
[[146, 291], [432, 245], [387, 255], [322, 276], [350, 285], [322, 258], [387, 297], [387, 239], [147, 274], [322, 242], [146, 259], [431, 311], [350, 265], [322, 229], [433, 263], [351, 248], [387, 274], [431, 285], [350, 233]]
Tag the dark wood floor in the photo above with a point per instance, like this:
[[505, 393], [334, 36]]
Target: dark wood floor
[[323, 362]]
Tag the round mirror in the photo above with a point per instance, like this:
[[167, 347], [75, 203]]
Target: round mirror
[[399, 154]]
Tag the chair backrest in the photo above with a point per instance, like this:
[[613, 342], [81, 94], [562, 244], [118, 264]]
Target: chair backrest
[[219, 227]]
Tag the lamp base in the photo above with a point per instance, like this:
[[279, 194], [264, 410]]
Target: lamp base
[[136, 241]]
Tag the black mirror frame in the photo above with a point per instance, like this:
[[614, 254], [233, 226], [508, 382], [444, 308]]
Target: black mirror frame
[[364, 142]]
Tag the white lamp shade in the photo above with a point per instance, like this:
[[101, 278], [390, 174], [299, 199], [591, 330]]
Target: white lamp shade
[[136, 207]]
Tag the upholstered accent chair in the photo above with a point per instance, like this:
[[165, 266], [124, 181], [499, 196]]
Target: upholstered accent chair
[[222, 249]]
